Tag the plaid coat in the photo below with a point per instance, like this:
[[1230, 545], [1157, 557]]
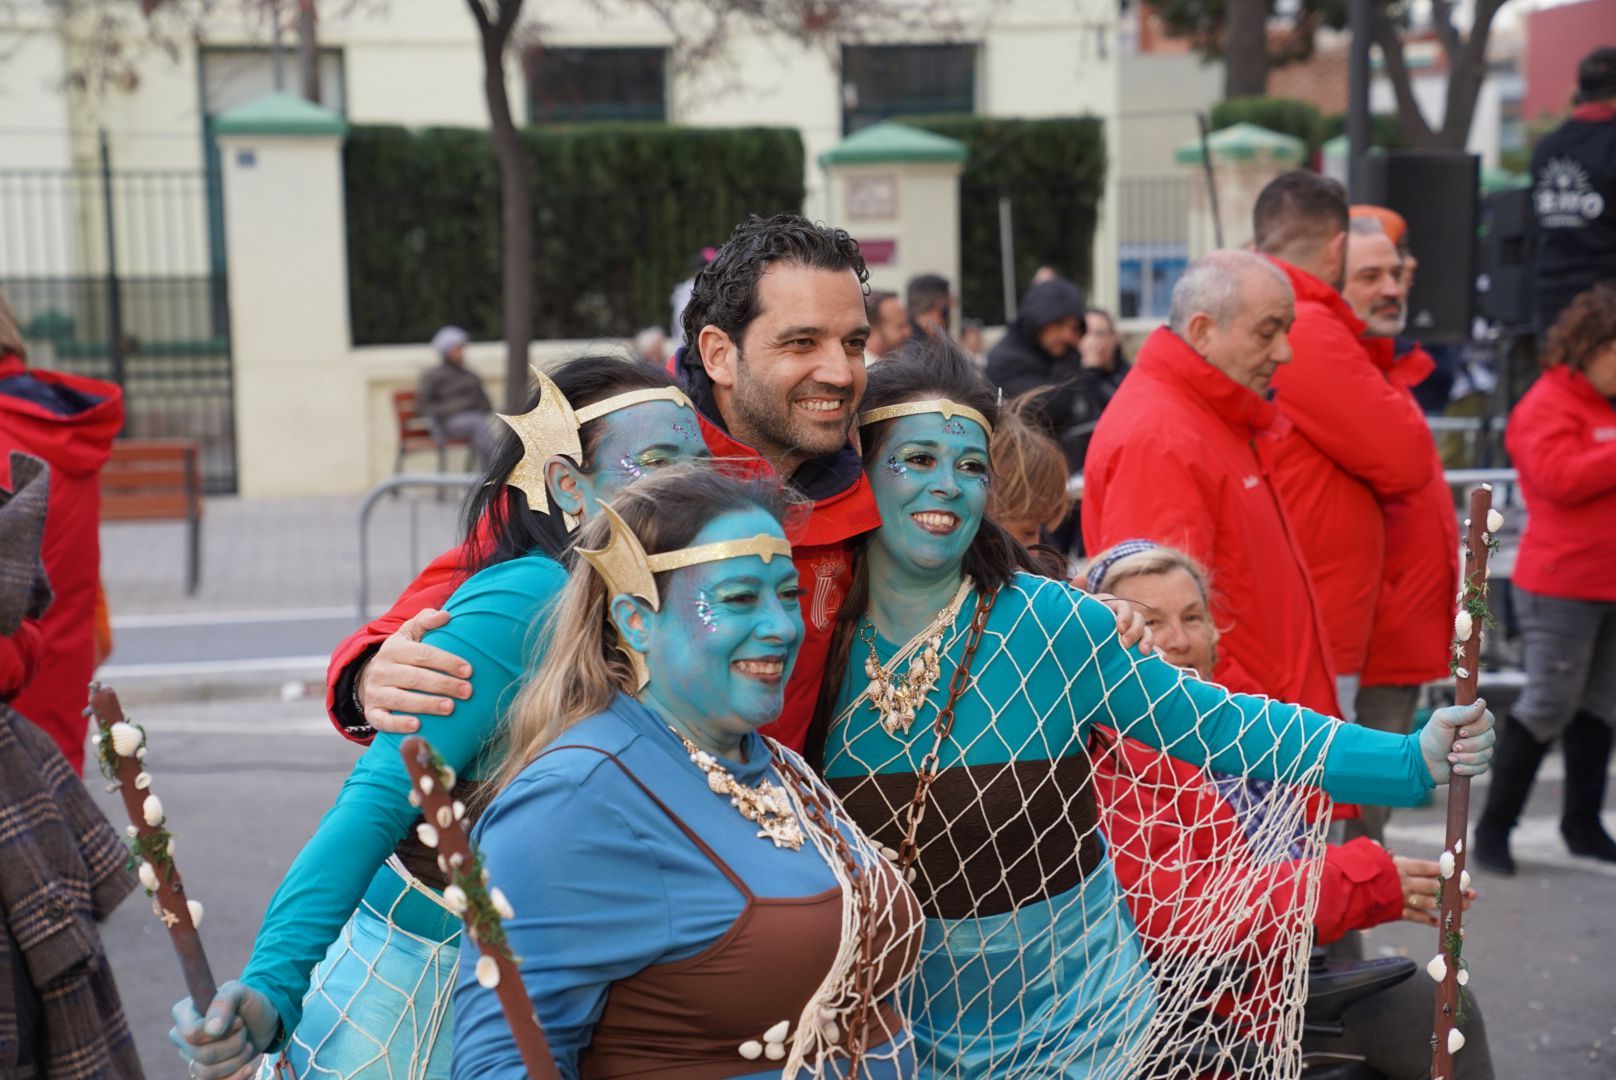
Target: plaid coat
[[62, 869]]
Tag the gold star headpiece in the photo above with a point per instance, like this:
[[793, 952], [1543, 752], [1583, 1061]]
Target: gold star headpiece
[[949, 409], [551, 427], [626, 568]]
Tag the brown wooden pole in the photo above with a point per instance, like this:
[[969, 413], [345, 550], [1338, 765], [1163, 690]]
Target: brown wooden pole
[[1478, 543], [443, 829], [168, 899]]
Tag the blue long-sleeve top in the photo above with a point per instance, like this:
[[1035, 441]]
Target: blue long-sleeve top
[[604, 884], [497, 622]]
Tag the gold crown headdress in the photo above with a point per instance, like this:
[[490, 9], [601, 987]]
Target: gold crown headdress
[[626, 568], [949, 409], [551, 427]]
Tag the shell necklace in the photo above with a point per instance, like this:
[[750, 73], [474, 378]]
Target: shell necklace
[[896, 698], [767, 805]]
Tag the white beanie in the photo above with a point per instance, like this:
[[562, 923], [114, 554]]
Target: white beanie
[[450, 337]]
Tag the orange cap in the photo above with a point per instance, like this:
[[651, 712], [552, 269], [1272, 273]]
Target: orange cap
[[1390, 220]]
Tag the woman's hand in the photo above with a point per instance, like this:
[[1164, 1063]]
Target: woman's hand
[[1421, 881], [407, 677], [1131, 626], [1458, 739], [240, 1025]]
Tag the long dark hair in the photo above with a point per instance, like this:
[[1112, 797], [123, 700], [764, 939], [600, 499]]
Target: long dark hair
[[496, 522], [931, 367]]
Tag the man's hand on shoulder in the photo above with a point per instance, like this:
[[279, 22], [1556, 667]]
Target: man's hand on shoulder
[[408, 677]]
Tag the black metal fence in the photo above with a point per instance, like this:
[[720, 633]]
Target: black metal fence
[[120, 276]]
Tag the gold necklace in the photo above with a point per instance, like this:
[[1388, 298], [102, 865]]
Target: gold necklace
[[898, 699], [767, 805]]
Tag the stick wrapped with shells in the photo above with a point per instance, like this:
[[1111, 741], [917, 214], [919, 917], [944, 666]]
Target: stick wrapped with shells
[[442, 828], [121, 753]]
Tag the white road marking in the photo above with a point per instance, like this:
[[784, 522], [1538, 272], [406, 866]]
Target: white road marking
[[220, 618], [314, 665]]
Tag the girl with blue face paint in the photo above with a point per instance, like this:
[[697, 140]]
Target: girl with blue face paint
[[955, 726], [689, 899], [364, 894]]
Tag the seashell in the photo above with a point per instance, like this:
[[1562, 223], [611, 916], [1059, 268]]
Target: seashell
[[751, 1049], [427, 784], [443, 865], [1462, 625], [1463, 673], [195, 909], [1444, 865], [1456, 1040], [501, 905], [455, 897], [148, 876], [1437, 968], [170, 848], [774, 1051], [1495, 521], [152, 811], [414, 798], [448, 775], [112, 787], [1464, 880], [715, 783], [131, 830], [910, 876], [140, 755], [1464, 976], [459, 810], [126, 738], [427, 834], [889, 854], [778, 1033], [832, 1033], [826, 1014], [445, 817], [487, 972], [1458, 846], [142, 780]]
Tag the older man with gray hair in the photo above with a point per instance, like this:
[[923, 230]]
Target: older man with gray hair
[[1183, 457]]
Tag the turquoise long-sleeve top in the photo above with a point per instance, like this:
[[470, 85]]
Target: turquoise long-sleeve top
[[497, 624]]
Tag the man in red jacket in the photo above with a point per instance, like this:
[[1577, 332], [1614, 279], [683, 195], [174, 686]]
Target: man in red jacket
[[1354, 441], [1184, 456], [1408, 643]]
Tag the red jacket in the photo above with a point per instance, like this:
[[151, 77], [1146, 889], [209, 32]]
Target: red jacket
[[1414, 616], [1354, 442], [1562, 438], [1183, 456], [1173, 836], [70, 421], [821, 548]]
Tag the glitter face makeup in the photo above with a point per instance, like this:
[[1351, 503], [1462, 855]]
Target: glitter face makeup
[[896, 467], [629, 469], [954, 427], [704, 612]]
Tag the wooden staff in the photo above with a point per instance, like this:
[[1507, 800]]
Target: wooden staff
[[122, 753], [482, 908], [1447, 967]]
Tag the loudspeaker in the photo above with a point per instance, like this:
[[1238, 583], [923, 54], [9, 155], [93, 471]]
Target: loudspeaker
[[1438, 194], [1506, 296]]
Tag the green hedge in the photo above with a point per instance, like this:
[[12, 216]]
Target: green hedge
[[1285, 115], [618, 210], [1054, 173]]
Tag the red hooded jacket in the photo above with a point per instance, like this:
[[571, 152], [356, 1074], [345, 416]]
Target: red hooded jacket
[[1562, 438], [1414, 616], [1184, 456], [70, 422], [821, 548], [1354, 442]]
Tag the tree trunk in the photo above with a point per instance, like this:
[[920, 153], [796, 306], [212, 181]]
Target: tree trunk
[[1245, 49], [1409, 119], [1467, 69], [308, 50]]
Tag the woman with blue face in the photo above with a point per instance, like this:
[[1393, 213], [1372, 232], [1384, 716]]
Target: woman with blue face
[[955, 727], [688, 899], [353, 964]]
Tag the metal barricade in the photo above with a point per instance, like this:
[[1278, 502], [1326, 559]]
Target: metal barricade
[[464, 481]]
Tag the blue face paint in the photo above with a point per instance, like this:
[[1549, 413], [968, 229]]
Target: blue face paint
[[726, 637], [932, 494], [634, 442]]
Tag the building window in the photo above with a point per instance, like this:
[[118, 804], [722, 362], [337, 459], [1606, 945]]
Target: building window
[[572, 85], [883, 81], [1146, 276]]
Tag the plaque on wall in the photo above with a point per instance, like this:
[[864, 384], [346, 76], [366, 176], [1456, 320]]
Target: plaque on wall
[[879, 252], [872, 197]]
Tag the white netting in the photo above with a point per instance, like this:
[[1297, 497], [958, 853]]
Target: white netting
[[1032, 965], [378, 1005]]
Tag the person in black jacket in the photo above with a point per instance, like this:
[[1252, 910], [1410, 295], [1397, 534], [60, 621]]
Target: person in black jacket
[[1041, 349], [1574, 192]]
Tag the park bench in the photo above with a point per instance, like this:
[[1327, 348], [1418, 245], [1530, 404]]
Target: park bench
[[157, 480], [416, 433]]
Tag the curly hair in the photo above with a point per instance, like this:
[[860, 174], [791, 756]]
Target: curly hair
[[1587, 325], [725, 291]]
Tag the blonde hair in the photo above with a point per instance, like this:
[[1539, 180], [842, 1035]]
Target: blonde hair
[[584, 666], [1029, 468], [10, 335], [1155, 562]]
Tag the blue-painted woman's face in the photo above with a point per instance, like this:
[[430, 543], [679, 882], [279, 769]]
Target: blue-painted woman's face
[[634, 442], [931, 485], [724, 641]]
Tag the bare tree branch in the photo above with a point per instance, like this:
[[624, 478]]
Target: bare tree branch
[[1410, 119]]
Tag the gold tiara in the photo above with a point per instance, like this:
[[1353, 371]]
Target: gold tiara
[[551, 427], [626, 568], [949, 409]]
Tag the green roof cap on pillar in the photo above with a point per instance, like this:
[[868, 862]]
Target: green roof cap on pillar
[[882, 144], [1336, 146], [280, 113], [1243, 142]]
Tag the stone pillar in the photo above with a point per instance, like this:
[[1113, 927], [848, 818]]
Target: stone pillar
[[300, 426], [896, 189], [1245, 158]]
